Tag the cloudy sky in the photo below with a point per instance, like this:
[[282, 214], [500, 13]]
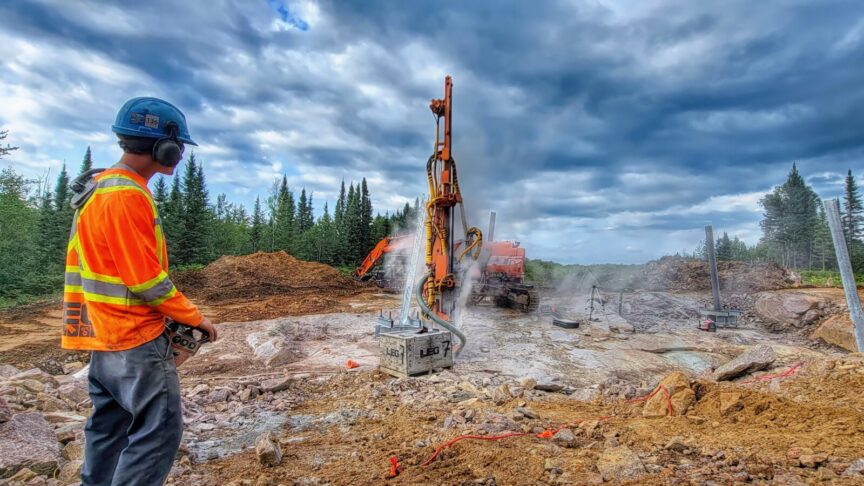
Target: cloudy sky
[[599, 130]]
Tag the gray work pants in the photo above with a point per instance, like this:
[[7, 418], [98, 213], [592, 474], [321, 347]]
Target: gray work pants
[[134, 432]]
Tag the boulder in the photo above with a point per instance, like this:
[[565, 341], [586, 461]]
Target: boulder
[[28, 441], [268, 451], [837, 330], [273, 351], [37, 375], [7, 371], [783, 310], [754, 359], [275, 385], [619, 464]]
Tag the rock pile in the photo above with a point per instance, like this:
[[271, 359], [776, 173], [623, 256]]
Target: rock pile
[[41, 426]]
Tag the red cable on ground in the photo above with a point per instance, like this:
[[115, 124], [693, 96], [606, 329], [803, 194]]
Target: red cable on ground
[[546, 434], [395, 468], [462, 437], [786, 374], [659, 388]]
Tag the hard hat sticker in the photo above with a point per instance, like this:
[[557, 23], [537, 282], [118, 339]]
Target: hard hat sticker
[[151, 121], [136, 118]]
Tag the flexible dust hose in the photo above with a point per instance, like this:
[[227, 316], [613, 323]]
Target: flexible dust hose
[[437, 320]]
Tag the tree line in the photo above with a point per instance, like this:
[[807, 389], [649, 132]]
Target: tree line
[[795, 231], [35, 222]]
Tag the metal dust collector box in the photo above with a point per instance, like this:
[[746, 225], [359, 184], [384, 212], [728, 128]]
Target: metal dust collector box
[[406, 353]]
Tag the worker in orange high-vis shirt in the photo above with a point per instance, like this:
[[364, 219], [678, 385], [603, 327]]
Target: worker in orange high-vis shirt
[[117, 296]]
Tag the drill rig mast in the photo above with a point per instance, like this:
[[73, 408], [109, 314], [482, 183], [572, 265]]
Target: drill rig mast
[[437, 291]]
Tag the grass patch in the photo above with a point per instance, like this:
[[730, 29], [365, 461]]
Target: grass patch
[[20, 300], [826, 278]]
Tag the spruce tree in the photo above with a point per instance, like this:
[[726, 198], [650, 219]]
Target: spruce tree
[[340, 208], [87, 163], [852, 210], [823, 246], [193, 246], [63, 213], [365, 226], [160, 194], [284, 218], [171, 215], [256, 233], [350, 234], [789, 222], [724, 248], [304, 212]]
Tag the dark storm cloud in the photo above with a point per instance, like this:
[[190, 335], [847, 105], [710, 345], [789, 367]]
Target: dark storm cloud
[[596, 114]]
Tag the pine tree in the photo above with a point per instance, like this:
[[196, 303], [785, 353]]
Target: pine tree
[[257, 231], [87, 163], [339, 213], [853, 210]]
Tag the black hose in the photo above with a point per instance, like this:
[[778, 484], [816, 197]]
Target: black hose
[[421, 301]]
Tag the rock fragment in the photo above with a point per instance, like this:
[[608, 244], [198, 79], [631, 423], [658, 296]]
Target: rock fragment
[[619, 463], [267, 449], [28, 441], [754, 359]]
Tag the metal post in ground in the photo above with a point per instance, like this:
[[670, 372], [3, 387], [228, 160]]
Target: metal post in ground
[[853, 302], [712, 266]]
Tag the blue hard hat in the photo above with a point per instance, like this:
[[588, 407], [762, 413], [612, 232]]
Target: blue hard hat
[[147, 117]]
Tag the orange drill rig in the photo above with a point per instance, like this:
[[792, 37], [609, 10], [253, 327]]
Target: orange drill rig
[[436, 292]]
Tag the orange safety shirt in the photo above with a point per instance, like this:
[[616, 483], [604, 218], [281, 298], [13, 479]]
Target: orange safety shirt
[[117, 291]]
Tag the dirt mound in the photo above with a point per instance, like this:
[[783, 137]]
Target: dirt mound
[[262, 275], [679, 274]]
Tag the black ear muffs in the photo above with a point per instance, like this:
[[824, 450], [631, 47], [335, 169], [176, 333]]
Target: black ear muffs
[[168, 151]]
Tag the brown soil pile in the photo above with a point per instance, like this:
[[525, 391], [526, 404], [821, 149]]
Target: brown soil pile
[[266, 286], [679, 274], [261, 275]]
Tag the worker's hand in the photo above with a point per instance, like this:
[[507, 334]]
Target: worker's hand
[[206, 325]]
